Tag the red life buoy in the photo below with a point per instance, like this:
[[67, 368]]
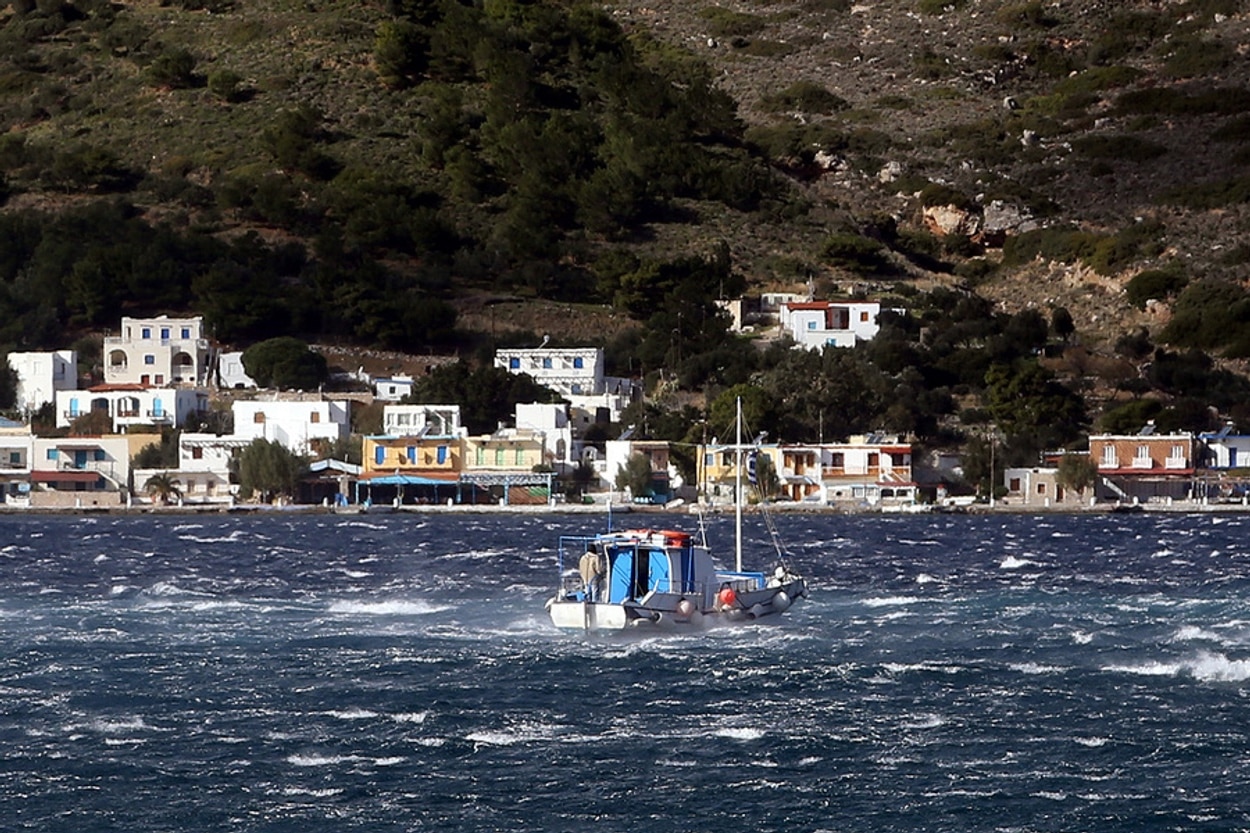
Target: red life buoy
[[727, 597]]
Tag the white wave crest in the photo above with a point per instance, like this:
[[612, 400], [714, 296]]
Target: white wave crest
[[1193, 633], [389, 761], [1092, 743], [891, 601], [394, 607], [1035, 668], [117, 726], [352, 714], [743, 733], [925, 578], [410, 717], [322, 793], [1013, 563], [1206, 666], [320, 760]]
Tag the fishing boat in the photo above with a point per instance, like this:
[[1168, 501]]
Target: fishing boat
[[665, 579]]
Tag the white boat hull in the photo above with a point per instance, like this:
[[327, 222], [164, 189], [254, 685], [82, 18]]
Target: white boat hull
[[666, 612]]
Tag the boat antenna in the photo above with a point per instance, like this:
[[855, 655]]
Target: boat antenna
[[738, 490]]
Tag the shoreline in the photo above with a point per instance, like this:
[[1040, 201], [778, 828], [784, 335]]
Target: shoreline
[[1176, 508]]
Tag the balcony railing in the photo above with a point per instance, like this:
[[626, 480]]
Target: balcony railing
[[1143, 463], [1176, 463]]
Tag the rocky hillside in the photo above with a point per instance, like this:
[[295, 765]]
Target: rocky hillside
[[1041, 153]]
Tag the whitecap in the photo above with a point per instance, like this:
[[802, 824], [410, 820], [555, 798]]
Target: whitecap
[[117, 726], [743, 733], [1193, 633], [100, 558], [1035, 668], [496, 738], [410, 717], [389, 761], [389, 608], [1092, 743], [352, 714], [925, 578], [321, 793], [1013, 563], [1148, 669], [309, 759], [925, 721], [1219, 668], [1206, 666], [891, 601]]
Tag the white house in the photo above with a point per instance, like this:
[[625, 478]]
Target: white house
[[231, 374], [40, 375], [576, 373], [819, 324], [16, 448], [392, 388], [203, 472], [422, 420], [129, 405], [297, 425], [79, 471], [1225, 450], [552, 422], [157, 351], [566, 370]]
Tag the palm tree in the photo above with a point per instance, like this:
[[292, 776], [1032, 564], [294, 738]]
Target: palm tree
[[162, 487]]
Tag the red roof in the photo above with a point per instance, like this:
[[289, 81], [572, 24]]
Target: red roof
[[64, 476], [107, 388]]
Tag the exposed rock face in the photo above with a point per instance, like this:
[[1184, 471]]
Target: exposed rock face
[[944, 220], [1001, 220]]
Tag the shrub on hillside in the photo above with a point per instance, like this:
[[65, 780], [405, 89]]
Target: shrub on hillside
[[726, 23], [174, 68], [1133, 149], [855, 253], [805, 97], [1154, 284]]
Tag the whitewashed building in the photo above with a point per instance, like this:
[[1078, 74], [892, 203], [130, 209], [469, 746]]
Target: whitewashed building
[[231, 375], [16, 449], [203, 473], [79, 471], [159, 351], [819, 324], [392, 388], [297, 425], [129, 405], [552, 422], [577, 374], [422, 420], [41, 374]]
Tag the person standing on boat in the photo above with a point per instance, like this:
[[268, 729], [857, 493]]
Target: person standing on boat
[[591, 569]]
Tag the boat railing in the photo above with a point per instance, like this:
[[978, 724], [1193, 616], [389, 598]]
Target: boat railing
[[740, 582]]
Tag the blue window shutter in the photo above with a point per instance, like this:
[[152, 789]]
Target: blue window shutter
[[379, 454]]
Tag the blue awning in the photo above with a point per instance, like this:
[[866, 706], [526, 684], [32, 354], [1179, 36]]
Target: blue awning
[[406, 480]]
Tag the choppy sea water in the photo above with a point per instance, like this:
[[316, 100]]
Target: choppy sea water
[[322, 673]]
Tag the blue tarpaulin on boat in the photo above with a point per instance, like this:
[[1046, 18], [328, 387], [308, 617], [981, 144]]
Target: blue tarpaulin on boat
[[635, 572]]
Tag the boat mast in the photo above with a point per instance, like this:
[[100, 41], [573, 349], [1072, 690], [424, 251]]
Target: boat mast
[[738, 491]]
